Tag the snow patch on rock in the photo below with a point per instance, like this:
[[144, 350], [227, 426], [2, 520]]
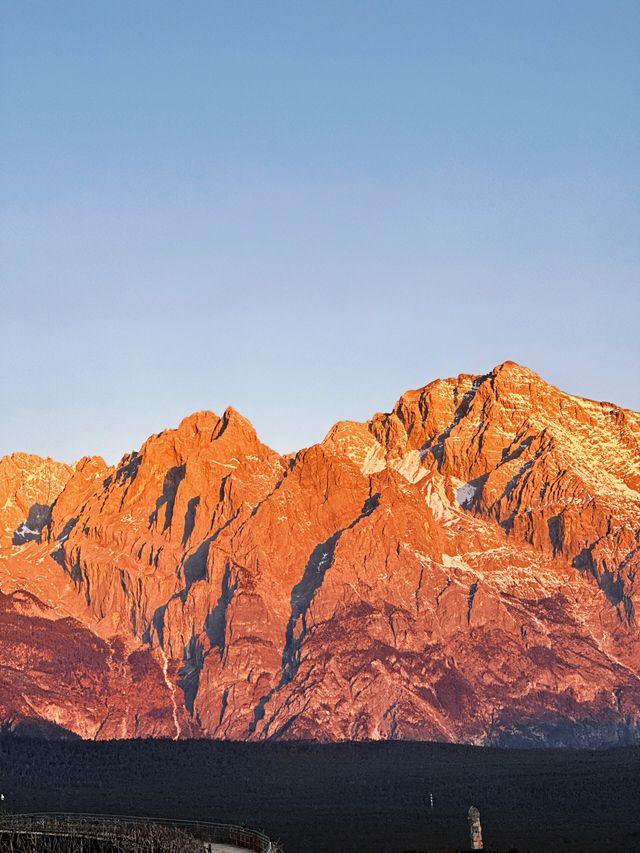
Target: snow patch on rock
[[465, 494]]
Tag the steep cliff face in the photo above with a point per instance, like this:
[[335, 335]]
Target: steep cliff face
[[462, 568]]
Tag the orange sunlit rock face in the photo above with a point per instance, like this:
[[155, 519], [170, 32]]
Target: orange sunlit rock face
[[461, 569]]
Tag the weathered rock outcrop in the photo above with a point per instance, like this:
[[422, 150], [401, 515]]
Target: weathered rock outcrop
[[462, 568]]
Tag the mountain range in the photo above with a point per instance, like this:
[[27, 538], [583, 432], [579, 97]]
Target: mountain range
[[460, 569]]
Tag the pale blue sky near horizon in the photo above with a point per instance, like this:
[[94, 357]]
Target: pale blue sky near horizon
[[302, 209]]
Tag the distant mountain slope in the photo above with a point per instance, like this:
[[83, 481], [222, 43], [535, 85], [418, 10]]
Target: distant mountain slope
[[28, 487], [460, 569]]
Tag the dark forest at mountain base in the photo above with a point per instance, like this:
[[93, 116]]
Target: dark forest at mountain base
[[334, 798]]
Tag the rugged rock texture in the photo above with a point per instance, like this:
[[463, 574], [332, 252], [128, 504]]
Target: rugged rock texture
[[28, 486], [57, 677], [462, 568]]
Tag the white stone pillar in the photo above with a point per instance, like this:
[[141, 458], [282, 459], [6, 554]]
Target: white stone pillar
[[475, 829]]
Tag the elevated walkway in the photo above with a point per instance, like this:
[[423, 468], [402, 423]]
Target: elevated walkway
[[90, 833]]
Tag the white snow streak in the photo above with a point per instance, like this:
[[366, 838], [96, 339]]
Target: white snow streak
[[172, 691], [464, 495]]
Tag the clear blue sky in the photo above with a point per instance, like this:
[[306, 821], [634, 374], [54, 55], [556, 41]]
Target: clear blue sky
[[302, 208]]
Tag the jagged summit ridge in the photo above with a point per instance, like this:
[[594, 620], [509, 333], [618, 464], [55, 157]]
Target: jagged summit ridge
[[460, 568]]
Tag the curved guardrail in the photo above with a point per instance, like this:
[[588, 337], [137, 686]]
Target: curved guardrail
[[133, 833]]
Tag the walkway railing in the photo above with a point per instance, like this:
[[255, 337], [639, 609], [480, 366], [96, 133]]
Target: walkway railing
[[127, 834]]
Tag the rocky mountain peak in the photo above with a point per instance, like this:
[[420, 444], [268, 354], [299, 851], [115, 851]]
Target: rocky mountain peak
[[460, 568]]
